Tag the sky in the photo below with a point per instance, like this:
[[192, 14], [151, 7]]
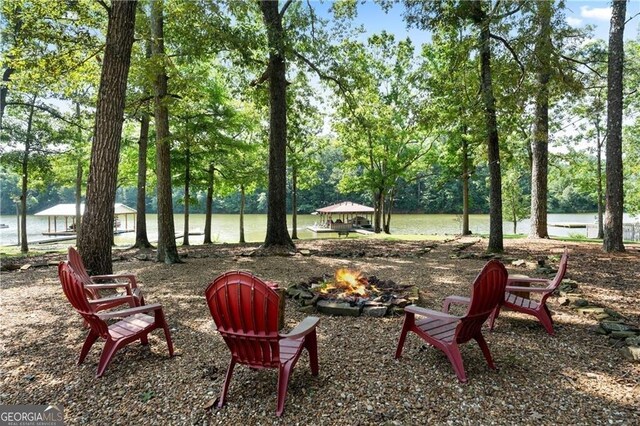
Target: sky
[[578, 14]]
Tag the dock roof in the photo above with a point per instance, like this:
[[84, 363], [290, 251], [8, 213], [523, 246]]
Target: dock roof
[[346, 207], [70, 210]]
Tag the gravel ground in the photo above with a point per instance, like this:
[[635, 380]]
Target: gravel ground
[[577, 377]]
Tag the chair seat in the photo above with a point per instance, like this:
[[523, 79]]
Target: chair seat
[[443, 330], [130, 326], [511, 299], [290, 349]]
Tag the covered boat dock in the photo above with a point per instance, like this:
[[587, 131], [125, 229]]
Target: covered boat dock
[[343, 218], [67, 212]]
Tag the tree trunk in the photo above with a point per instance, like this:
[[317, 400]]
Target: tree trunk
[[277, 233], [465, 184], [378, 201], [613, 228], [142, 240], [6, 74], [242, 201], [540, 140], [78, 222], [294, 203], [187, 195], [167, 249], [79, 174], [599, 182], [24, 243], [95, 245], [493, 145], [208, 207], [386, 225]]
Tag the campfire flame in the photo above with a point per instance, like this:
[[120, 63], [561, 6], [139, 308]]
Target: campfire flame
[[350, 283]]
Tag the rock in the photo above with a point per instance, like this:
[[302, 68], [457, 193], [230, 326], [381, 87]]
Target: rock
[[401, 303], [310, 309], [518, 262], [632, 353], [374, 311], [622, 334], [338, 308], [588, 310], [632, 341], [611, 326], [612, 313], [602, 316], [581, 302], [564, 301], [25, 267], [305, 252], [600, 330]]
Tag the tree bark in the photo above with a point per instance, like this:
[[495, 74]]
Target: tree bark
[[187, 195], [142, 240], [79, 174], [294, 203], [277, 233], [599, 182], [167, 249], [24, 243], [208, 207], [242, 202], [540, 140], [613, 227], [491, 123], [465, 184], [95, 245]]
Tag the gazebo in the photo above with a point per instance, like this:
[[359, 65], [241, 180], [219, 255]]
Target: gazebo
[[68, 212], [343, 217]]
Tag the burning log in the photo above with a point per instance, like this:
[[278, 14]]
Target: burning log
[[351, 293]]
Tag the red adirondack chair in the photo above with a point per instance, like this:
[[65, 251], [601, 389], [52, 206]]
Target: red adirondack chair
[[537, 308], [245, 311], [126, 281], [136, 323], [446, 331]]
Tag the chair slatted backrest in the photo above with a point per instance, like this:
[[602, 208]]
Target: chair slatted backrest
[[75, 262], [486, 293], [245, 311], [76, 294], [555, 282]]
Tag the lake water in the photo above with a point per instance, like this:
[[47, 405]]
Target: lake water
[[226, 226]]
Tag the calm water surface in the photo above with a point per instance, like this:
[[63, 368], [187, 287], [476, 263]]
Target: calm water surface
[[226, 226]]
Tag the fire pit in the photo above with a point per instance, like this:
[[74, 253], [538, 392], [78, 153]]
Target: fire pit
[[351, 293]]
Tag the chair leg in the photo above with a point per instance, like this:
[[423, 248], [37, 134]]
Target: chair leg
[[493, 316], [144, 340], [406, 326], [88, 343], [545, 319], [453, 353], [225, 385], [162, 322], [283, 383], [109, 350], [311, 343], [485, 350]]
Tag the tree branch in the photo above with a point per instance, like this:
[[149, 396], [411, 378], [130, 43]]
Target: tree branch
[[49, 110], [106, 6], [285, 7], [510, 49], [593, 70]]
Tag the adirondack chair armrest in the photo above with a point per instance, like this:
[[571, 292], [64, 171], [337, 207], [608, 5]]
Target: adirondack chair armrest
[[430, 313], [451, 300], [130, 277], [523, 279], [108, 286], [512, 288], [305, 327], [131, 311], [111, 300]]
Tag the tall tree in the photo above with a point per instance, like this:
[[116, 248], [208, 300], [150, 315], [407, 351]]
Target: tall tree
[[167, 249], [540, 137], [277, 233], [613, 226], [95, 246]]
